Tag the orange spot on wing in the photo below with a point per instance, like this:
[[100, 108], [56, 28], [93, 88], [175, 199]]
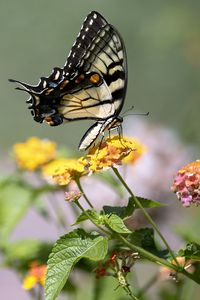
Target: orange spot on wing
[[80, 78], [95, 78]]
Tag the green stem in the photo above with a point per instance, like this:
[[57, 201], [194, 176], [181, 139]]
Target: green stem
[[84, 195], [144, 253], [145, 213], [190, 275], [75, 210], [158, 260], [86, 213], [129, 292]]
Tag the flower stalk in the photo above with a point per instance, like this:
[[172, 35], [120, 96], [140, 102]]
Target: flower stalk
[[157, 260], [86, 213], [148, 217], [84, 195]]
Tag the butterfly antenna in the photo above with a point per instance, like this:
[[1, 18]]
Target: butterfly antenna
[[129, 109], [138, 114]]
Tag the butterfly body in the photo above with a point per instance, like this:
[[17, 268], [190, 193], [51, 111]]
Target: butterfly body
[[91, 85]]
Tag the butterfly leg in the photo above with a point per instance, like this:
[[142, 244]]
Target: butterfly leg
[[120, 133]]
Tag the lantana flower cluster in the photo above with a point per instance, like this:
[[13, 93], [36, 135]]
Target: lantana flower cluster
[[34, 153], [40, 154], [113, 152], [186, 184]]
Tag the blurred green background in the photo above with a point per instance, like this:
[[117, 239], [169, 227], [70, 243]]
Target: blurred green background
[[163, 45]]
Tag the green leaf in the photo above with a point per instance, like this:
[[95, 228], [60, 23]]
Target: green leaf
[[117, 210], [67, 251], [15, 200], [121, 211], [125, 212], [192, 251], [147, 203], [144, 238], [116, 224], [86, 215]]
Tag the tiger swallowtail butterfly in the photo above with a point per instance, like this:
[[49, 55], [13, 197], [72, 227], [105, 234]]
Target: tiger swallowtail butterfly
[[91, 85]]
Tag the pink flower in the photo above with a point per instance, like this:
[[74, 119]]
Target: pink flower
[[187, 184]]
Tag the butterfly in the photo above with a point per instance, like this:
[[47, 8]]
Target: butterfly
[[91, 85]]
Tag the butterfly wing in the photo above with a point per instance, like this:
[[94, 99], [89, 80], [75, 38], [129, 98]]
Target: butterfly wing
[[91, 85], [97, 63]]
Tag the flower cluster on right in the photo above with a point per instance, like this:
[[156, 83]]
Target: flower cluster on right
[[186, 184]]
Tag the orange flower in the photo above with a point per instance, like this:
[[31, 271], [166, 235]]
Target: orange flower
[[113, 151], [36, 274], [34, 153], [187, 184]]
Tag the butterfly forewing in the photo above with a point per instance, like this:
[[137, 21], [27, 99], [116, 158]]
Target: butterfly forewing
[[104, 55], [91, 26]]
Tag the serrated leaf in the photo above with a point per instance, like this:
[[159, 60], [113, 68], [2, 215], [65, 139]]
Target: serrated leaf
[[116, 224], [67, 251], [86, 215], [147, 203], [117, 210], [121, 211], [125, 212]]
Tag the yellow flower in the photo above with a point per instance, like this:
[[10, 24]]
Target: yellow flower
[[113, 151], [36, 274], [137, 150], [29, 282], [34, 153], [63, 170]]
